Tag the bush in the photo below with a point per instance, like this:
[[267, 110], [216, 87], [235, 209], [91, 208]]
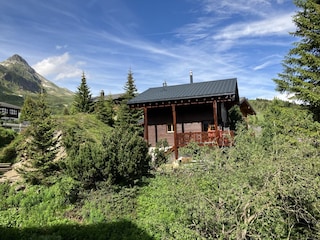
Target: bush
[[6, 136], [82, 165], [121, 158], [159, 153], [10, 152], [126, 155]]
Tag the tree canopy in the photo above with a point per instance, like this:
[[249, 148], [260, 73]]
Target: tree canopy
[[301, 66]]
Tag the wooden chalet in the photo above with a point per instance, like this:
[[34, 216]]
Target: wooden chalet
[[188, 112], [9, 111]]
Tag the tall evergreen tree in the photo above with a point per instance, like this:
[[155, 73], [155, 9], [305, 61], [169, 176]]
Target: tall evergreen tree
[[82, 100], [130, 87], [42, 148], [301, 74], [104, 109], [126, 117]]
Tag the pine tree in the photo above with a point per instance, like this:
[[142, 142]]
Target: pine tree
[[82, 100], [301, 74], [130, 87], [42, 148], [27, 110], [104, 109], [126, 117]]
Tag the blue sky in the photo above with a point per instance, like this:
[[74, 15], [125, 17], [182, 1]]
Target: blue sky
[[158, 40]]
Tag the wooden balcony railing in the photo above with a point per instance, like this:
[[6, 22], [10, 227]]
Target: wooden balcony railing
[[219, 138]]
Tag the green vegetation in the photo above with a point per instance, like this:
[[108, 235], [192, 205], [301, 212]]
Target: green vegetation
[[6, 136], [265, 187], [301, 66]]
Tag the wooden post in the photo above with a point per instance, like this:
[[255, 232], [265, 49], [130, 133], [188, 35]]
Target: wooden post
[[145, 124], [174, 118], [215, 116]]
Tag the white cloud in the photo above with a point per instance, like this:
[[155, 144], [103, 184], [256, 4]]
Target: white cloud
[[289, 97], [278, 25], [58, 67]]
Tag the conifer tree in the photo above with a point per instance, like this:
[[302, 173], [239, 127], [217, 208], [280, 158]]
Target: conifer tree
[[104, 109], [42, 148], [301, 74], [28, 108], [130, 87], [126, 117], [82, 100]]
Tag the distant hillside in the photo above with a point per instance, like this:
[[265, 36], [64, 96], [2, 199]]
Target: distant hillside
[[18, 79]]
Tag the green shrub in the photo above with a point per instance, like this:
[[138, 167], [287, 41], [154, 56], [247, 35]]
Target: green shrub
[[83, 164], [126, 156], [159, 153], [121, 158], [6, 136]]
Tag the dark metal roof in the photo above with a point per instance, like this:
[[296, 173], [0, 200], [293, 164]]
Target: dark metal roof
[[188, 91]]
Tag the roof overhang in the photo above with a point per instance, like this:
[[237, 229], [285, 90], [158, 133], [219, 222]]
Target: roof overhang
[[189, 101]]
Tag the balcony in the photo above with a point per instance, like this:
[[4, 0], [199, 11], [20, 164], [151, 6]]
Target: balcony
[[221, 138]]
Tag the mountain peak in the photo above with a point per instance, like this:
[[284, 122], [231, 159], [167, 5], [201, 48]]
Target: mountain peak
[[17, 58]]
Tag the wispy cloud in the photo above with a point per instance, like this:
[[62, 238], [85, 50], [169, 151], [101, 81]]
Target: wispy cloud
[[277, 25], [231, 7], [262, 66]]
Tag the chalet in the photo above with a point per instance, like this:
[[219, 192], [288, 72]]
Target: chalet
[[9, 111], [246, 108], [116, 98], [189, 112]]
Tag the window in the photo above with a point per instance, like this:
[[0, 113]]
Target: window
[[170, 128], [4, 111], [13, 112]]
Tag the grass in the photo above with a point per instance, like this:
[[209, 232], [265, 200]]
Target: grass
[[85, 123]]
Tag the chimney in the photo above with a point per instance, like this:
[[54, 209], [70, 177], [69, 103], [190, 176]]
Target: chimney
[[164, 84], [191, 77]]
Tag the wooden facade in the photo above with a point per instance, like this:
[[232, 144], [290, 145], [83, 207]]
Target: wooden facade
[[202, 118], [201, 122]]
